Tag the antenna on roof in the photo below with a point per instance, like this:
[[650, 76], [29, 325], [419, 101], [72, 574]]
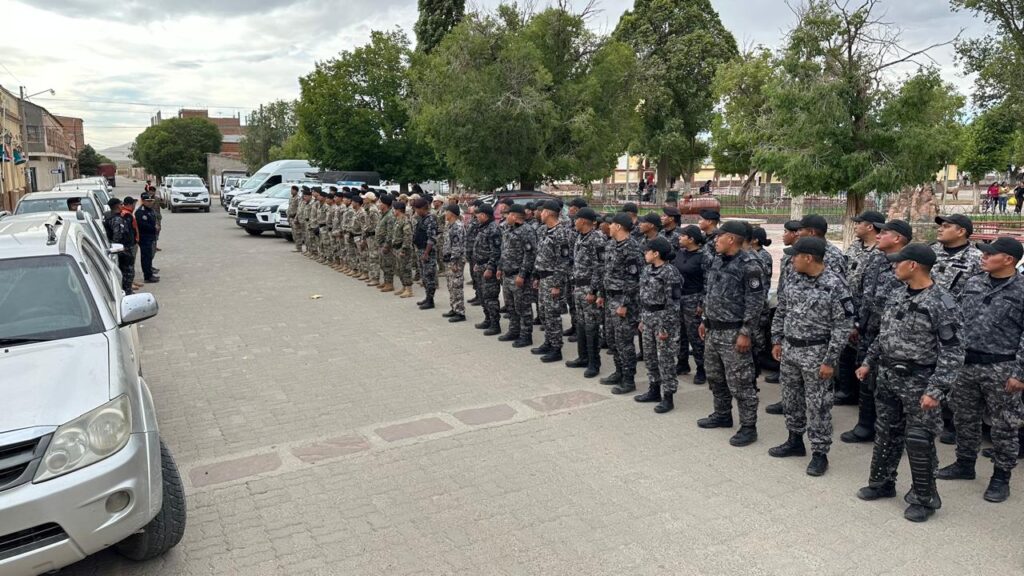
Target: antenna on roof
[[51, 223]]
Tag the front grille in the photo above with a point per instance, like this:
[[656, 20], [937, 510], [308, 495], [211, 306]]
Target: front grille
[[18, 461], [190, 194], [242, 214], [26, 541]]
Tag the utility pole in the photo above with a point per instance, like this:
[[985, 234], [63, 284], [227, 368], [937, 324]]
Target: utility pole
[[24, 135]]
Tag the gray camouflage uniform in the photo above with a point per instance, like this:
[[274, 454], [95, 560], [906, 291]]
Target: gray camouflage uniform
[[486, 255], [660, 290], [553, 265], [620, 288], [518, 252], [454, 255], [951, 270]]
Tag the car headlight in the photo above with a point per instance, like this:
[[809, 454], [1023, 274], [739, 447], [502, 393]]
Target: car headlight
[[267, 208], [87, 439]]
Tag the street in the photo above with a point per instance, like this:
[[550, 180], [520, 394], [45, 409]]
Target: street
[[322, 427]]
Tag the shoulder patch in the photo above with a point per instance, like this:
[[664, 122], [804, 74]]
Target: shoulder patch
[[754, 282]]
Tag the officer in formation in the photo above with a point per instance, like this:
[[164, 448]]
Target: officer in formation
[[486, 256], [518, 253], [552, 265], [425, 238], [660, 292], [689, 260], [585, 283], [454, 257], [619, 296]]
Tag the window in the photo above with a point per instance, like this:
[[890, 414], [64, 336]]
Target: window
[[59, 204], [34, 133], [45, 298], [101, 275]]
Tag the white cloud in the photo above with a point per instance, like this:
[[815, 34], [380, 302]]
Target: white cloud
[[116, 63]]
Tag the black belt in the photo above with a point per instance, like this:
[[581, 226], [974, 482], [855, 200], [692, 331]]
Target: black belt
[[581, 282], [545, 273], [974, 357], [657, 308], [716, 325], [906, 367], [370, 234], [614, 292], [510, 272], [800, 343]]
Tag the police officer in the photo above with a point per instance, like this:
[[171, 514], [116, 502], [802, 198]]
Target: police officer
[[650, 227], [620, 292], [917, 356], [471, 232], [689, 260], [993, 374], [402, 249], [631, 210], [816, 225], [660, 291], [385, 227], [586, 277], [515, 271], [123, 233], [708, 224], [145, 216], [454, 256], [486, 256], [734, 296], [670, 220], [552, 265], [811, 327], [790, 234], [425, 240], [575, 205]]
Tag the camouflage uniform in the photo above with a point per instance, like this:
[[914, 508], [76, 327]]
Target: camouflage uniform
[[734, 296], [951, 270], [454, 255], [553, 266], [620, 287], [710, 251], [919, 350], [346, 254], [660, 290], [879, 283], [995, 341], [401, 245], [586, 278], [442, 231], [358, 244], [835, 260], [291, 212], [313, 228], [857, 257], [518, 253], [426, 238], [471, 233], [760, 340], [332, 239], [812, 324], [385, 229], [372, 249], [326, 246], [486, 256], [299, 225], [673, 240]]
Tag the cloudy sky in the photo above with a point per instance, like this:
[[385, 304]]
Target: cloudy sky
[[116, 64]]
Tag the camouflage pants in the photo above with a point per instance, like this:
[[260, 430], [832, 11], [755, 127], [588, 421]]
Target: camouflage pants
[[552, 307], [981, 387], [623, 332], [372, 253], [416, 265], [567, 291], [898, 402], [404, 262], [428, 271], [807, 399], [520, 309], [314, 241], [490, 289], [126, 264], [456, 285], [730, 374], [387, 265], [689, 336], [587, 315], [297, 235], [660, 355]]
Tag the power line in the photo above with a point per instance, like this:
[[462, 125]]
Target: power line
[[11, 73], [149, 104]]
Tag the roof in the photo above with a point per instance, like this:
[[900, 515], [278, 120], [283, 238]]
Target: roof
[[27, 234]]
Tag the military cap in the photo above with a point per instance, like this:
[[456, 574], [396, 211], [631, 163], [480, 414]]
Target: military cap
[[813, 245], [901, 228], [419, 203], [651, 218], [661, 246], [960, 220], [454, 209], [317, 189], [623, 219], [306, 191], [552, 205], [578, 203], [694, 232], [916, 253], [709, 214], [814, 222], [761, 236], [506, 201], [345, 189], [399, 206], [357, 198], [531, 205], [587, 214], [877, 219], [387, 200], [672, 211], [485, 209], [1003, 245], [735, 227], [630, 207], [332, 195], [792, 225], [304, 187], [517, 208]]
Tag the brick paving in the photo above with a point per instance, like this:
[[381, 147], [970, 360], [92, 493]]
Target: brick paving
[[355, 434]]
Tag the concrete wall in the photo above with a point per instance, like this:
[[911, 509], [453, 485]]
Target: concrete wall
[[216, 164]]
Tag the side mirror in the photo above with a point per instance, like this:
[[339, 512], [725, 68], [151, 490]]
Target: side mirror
[[138, 307], [115, 249]]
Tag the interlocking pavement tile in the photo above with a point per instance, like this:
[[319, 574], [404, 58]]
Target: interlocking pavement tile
[[421, 427], [331, 448], [486, 415], [234, 469], [564, 400]]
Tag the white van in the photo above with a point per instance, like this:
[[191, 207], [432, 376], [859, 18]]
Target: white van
[[273, 174]]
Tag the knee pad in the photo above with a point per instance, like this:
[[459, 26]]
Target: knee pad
[[919, 440]]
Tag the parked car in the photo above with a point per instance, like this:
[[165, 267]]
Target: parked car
[[164, 191], [102, 193], [82, 464], [273, 174], [283, 226], [257, 213], [228, 187], [58, 202], [188, 193]]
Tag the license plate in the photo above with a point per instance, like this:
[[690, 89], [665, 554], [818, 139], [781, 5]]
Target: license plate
[[243, 221]]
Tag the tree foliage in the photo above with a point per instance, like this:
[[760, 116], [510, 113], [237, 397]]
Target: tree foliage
[[997, 57], [294, 147], [515, 97], [679, 45], [436, 19], [267, 127], [353, 113], [991, 142], [177, 146], [89, 161], [738, 129]]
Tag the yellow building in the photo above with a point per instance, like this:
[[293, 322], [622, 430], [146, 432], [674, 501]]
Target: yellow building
[[12, 174]]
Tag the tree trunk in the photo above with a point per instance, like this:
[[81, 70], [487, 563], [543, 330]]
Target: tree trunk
[[687, 184], [403, 187], [664, 164], [747, 185], [451, 186], [526, 182], [854, 206]]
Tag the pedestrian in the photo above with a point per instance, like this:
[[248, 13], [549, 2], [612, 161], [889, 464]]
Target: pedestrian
[[425, 241], [620, 297], [734, 296], [114, 205], [515, 271], [454, 256], [689, 260], [811, 327], [553, 266], [402, 247], [385, 229], [917, 356], [486, 256], [992, 377], [585, 282], [126, 234], [660, 291], [145, 216], [816, 225]]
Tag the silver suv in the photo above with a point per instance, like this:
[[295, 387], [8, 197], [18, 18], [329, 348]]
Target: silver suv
[[82, 466]]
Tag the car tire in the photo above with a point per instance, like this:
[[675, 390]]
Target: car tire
[[252, 232], [289, 237], [166, 529], [207, 209], [174, 210]]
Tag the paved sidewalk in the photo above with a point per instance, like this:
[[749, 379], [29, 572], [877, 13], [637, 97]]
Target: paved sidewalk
[[355, 434]]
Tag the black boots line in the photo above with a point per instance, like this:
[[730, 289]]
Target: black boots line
[[998, 486]]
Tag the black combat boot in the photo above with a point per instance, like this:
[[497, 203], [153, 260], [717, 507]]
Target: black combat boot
[[553, 356], [541, 350], [448, 314], [716, 420], [699, 377], [878, 486], [614, 378], [512, 335], [771, 377], [457, 318], [653, 394], [626, 386], [745, 436], [959, 470], [818, 465], [666, 404], [924, 497], [775, 409], [483, 325], [864, 431], [475, 301], [683, 366], [793, 446], [495, 327], [593, 353], [428, 302], [581, 355], [525, 338], [998, 486]]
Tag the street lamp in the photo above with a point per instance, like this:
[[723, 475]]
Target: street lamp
[[50, 90]]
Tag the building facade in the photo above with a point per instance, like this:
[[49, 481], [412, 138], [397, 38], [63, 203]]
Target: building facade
[[13, 164], [51, 158]]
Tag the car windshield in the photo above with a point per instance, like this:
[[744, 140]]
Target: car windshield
[[31, 205], [268, 193], [187, 183], [284, 191], [44, 298], [255, 182]]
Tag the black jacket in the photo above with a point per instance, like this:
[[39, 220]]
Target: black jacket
[[147, 220]]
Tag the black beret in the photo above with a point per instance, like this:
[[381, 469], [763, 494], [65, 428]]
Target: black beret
[[916, 253], [517, 208], [901, 228], [386, 199], [813, 245], [958, 219], [357, 198], [1003, 245], [485, 209], [306, 191], [578, 203], [671, 211], [454, 209], [694, 232], [552, 205], [623, 219], [531, 205], [419, 203], [735, 227], [661, 246], [709, 214], [814, 222], [331, 195], [630, 207], [506, 201], [587, 214], [399, 205], [651, 218], [877, 219], [792, 225]]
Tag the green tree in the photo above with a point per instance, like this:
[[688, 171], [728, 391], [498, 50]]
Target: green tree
[[177, 146], [679, 45], [267, 127], [510, 97], [991, 142], [737, 131], [437, 18], [294, 148], [89, 161], [353, 113], [997, 57]]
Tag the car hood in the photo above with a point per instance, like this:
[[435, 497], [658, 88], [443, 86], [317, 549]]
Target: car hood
[[259, 202], [49, 383], [178, 189]]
